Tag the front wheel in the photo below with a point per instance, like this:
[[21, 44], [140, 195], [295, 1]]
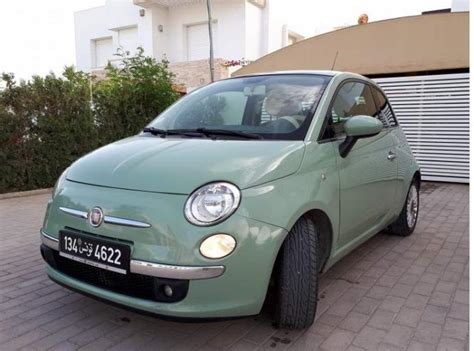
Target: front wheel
[[298, 277], [406, 221]]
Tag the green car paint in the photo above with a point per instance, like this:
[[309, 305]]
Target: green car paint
[[149, 179], [124, 164]]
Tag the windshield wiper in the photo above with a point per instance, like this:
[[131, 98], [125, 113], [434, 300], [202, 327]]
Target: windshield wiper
[[228, 132], [209, 133], [165, 132], [154, 131]]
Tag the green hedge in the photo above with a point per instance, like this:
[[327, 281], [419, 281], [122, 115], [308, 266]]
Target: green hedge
[[48, 122]]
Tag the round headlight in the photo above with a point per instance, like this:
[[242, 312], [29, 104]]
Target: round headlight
[[217, 246], [212, 203]]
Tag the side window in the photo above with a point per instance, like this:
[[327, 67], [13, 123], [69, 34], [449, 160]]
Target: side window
[[352, 99], [384, 111]]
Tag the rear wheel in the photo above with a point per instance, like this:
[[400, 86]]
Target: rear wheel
[[298, 277], [406, 221]]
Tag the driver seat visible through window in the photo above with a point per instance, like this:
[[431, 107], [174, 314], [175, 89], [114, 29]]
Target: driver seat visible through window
[[352, 99]]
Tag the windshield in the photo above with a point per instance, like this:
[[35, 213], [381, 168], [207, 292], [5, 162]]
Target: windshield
[[269, 106]]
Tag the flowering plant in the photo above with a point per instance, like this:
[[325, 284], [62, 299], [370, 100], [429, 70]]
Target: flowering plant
[[232, 63]]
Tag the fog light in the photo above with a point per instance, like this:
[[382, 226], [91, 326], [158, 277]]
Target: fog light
[[217, 246], [168, 290]]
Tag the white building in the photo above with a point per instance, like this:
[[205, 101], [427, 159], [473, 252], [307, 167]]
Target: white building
[[178, 31]]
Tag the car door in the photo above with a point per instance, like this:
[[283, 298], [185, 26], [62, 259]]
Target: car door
[[389, 121], [367, 175]]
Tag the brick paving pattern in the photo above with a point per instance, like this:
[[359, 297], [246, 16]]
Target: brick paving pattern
[[391, 293]]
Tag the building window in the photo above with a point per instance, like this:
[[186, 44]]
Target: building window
[[128, 39], [102, 52], [197, 41]]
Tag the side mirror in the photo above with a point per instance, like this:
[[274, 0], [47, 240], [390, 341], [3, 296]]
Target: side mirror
[[358, 127]]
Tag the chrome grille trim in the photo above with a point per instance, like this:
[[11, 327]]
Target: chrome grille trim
[[73, 212], [125, 222], [107, 219]]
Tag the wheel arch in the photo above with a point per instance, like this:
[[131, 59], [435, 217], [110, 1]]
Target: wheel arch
[[417, 177], [325, 229]]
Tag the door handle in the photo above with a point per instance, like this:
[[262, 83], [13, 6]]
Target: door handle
[[391, 156]]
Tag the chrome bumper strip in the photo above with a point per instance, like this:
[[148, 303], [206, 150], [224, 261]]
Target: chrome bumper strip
[[107, 219], [49, 241], [175, 272], [156, 269]]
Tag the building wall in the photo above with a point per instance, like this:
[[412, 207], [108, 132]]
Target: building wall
[[157, 16], [89, 24], [229, 38], [276, 33], [255, 23], [242, 30], [106, 21]]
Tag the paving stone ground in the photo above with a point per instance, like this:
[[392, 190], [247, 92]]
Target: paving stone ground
[[391, 293]]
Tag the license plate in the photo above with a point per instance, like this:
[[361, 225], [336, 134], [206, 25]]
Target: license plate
[[99, 253]]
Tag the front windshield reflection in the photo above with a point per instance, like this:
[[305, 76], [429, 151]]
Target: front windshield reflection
[[272, 106]]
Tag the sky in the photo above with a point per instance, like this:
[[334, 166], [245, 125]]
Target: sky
[[324, 15], [37, 36]]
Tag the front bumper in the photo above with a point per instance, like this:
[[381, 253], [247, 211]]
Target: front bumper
[[234, 289], [155, 269]]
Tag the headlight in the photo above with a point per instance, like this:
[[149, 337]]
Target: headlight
[[212, 203], [59, 183]]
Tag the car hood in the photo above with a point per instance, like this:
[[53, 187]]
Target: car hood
[[179, 165]]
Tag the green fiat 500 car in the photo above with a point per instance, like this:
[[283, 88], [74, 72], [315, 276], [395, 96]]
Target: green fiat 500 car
[[246, 188]]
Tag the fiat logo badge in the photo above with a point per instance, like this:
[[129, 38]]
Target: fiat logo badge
[[96, 216]]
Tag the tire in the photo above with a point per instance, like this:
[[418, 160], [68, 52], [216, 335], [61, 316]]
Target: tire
[[406, 221], [298, 277]]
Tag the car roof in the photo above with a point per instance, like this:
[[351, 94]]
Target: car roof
[[315, 72], [308, 72]]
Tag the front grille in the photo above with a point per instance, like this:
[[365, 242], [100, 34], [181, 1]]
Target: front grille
[[131, 284]]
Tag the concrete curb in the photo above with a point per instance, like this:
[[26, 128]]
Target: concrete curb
[[25, 193]]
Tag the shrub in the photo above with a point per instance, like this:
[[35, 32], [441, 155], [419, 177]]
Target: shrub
[[131, 96], [45, 124], [48, 122]]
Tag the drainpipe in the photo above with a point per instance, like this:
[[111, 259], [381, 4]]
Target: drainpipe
[[211, 45]]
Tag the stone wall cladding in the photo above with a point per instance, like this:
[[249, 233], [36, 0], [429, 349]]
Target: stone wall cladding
[[193, 74], [189, 74]]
